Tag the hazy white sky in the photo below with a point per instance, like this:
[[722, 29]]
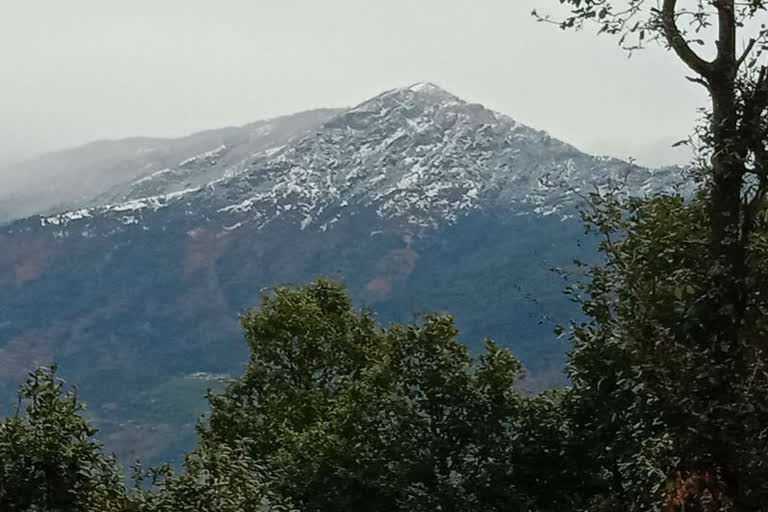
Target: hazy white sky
[[72, 71]]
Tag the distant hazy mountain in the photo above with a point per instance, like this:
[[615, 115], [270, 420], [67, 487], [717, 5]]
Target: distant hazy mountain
[[108, 171], [417, 200]]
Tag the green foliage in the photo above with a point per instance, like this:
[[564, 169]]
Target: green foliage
[[669, 375], [653, 396], [224, 479], [346, 415], [48, 461]]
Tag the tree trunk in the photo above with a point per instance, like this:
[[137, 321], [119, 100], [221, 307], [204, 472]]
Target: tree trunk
[[726, 238], [727, 244]]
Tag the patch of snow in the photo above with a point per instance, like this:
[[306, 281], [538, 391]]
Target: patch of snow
[[151, 176], [271, 151], [66, 217], [129, 219], [207, 376], [233, 226], [204, 156], [422, 86]]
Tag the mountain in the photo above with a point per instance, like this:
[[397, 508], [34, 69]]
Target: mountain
[[417, 200], [111, 171]]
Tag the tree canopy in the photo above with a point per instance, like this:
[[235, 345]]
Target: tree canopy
[[671, 366], [48, 459], [347, 415]]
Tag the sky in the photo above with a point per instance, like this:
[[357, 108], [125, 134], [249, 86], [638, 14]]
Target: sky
[[72, 71]]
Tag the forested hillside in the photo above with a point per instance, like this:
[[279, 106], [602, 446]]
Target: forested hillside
[[355, 397]]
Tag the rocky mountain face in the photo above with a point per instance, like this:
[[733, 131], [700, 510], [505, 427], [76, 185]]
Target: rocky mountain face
[[418, 155], [417, 200], [106, 172]]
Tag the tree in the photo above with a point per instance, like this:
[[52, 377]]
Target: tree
[[224, 479], [49, 462], [648, 396], [737, 132], [676, 345], [346, 415], [736, 136], [48, 459]]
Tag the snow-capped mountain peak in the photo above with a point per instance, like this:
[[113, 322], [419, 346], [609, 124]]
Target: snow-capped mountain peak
[[425, 87], [432, 90], [418, 155], [417, 200], [421, 93]]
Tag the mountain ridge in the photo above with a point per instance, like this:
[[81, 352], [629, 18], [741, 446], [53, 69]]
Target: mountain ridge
[[97, 172], [417, 200], [417, 152]]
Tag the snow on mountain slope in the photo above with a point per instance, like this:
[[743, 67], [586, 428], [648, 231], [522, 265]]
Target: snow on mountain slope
[[107, 172], [417, 154], [220, 157], [416, 199]]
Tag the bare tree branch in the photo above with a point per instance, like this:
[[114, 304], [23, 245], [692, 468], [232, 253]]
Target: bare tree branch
[[698, 80], [746, 53], [678, 43]]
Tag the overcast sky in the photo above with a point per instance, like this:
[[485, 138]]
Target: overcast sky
[[72, 71]]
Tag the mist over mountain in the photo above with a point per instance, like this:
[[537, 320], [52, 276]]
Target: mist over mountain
[[105, 171], [417, 200]]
